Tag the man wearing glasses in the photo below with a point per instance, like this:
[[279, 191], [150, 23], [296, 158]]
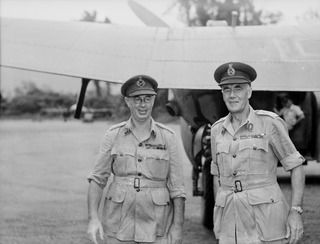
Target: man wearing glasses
[[145, 200], [246, 147]]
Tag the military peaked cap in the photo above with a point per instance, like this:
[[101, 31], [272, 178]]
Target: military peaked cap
[[234, 73], [139, 85]]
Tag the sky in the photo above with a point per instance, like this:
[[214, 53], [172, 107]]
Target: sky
[[119, 13]]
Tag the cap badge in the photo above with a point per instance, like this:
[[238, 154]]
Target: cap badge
[[231, 71], [141, 82]]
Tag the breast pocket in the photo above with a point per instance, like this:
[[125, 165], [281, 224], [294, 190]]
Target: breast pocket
[[157, 163], [113, 214], [222, 156], [270, 211], [259, 148], [122, 156], [255, 150]]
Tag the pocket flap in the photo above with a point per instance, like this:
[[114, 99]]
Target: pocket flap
[[255, 144], [245, 144], [122, 151], [158, 154], [116, 194], [160, 196], [269, 194], [221, 198], [223, 147], [261, 144]]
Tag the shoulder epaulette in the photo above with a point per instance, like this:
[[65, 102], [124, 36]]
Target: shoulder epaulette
[[117, 125], [219, 121], [266, 113], [164, 127]]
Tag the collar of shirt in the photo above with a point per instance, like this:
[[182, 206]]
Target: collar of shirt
[[248, 122], [129, 127]]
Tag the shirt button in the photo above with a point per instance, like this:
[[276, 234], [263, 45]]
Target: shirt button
[[234, 155], [234, 138], [139, 160], [140, 144]]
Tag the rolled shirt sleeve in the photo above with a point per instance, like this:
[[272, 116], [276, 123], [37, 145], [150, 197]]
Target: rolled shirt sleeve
[[283, 147], [103, 163], [175, 179]]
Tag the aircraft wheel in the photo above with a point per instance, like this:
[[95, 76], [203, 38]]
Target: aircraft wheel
[[208, 199]]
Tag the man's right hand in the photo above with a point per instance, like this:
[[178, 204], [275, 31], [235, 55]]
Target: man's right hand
[[95, 226]]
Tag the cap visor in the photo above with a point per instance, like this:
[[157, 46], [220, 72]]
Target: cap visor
[[142, 92], [234, 81]]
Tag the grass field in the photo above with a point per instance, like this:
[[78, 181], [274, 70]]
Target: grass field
[[43, 169]]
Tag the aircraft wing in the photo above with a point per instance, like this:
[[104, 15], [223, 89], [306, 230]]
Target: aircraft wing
[[285, 57]]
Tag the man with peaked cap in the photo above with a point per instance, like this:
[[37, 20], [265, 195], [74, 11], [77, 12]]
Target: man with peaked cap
[[145, 200], [246, 147]]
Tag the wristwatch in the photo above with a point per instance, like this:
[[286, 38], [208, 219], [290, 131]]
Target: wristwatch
[[298, 209]]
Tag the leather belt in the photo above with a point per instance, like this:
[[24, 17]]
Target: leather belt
[[241, 185], [138, 182]]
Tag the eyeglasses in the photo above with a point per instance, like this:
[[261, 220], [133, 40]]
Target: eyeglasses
[[139, 99], [235, 90]]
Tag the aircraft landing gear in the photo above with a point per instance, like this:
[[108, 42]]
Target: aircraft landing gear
[[201, 174], [208, 199]]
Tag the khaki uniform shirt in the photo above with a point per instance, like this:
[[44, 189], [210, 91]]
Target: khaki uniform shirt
[[147, 175], [250, 206]]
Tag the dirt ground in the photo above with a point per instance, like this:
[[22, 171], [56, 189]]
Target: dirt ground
[[43, 169]]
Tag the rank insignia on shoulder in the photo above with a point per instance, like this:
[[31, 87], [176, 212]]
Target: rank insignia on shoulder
[[156, 146]]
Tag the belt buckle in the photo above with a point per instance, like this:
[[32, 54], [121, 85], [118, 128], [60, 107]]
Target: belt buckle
[[136, 183], [237, 186]]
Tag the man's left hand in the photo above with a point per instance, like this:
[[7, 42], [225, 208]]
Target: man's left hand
[[294, 227], [175, 234]]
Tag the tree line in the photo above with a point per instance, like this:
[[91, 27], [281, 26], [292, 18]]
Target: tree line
[[29, 100]]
